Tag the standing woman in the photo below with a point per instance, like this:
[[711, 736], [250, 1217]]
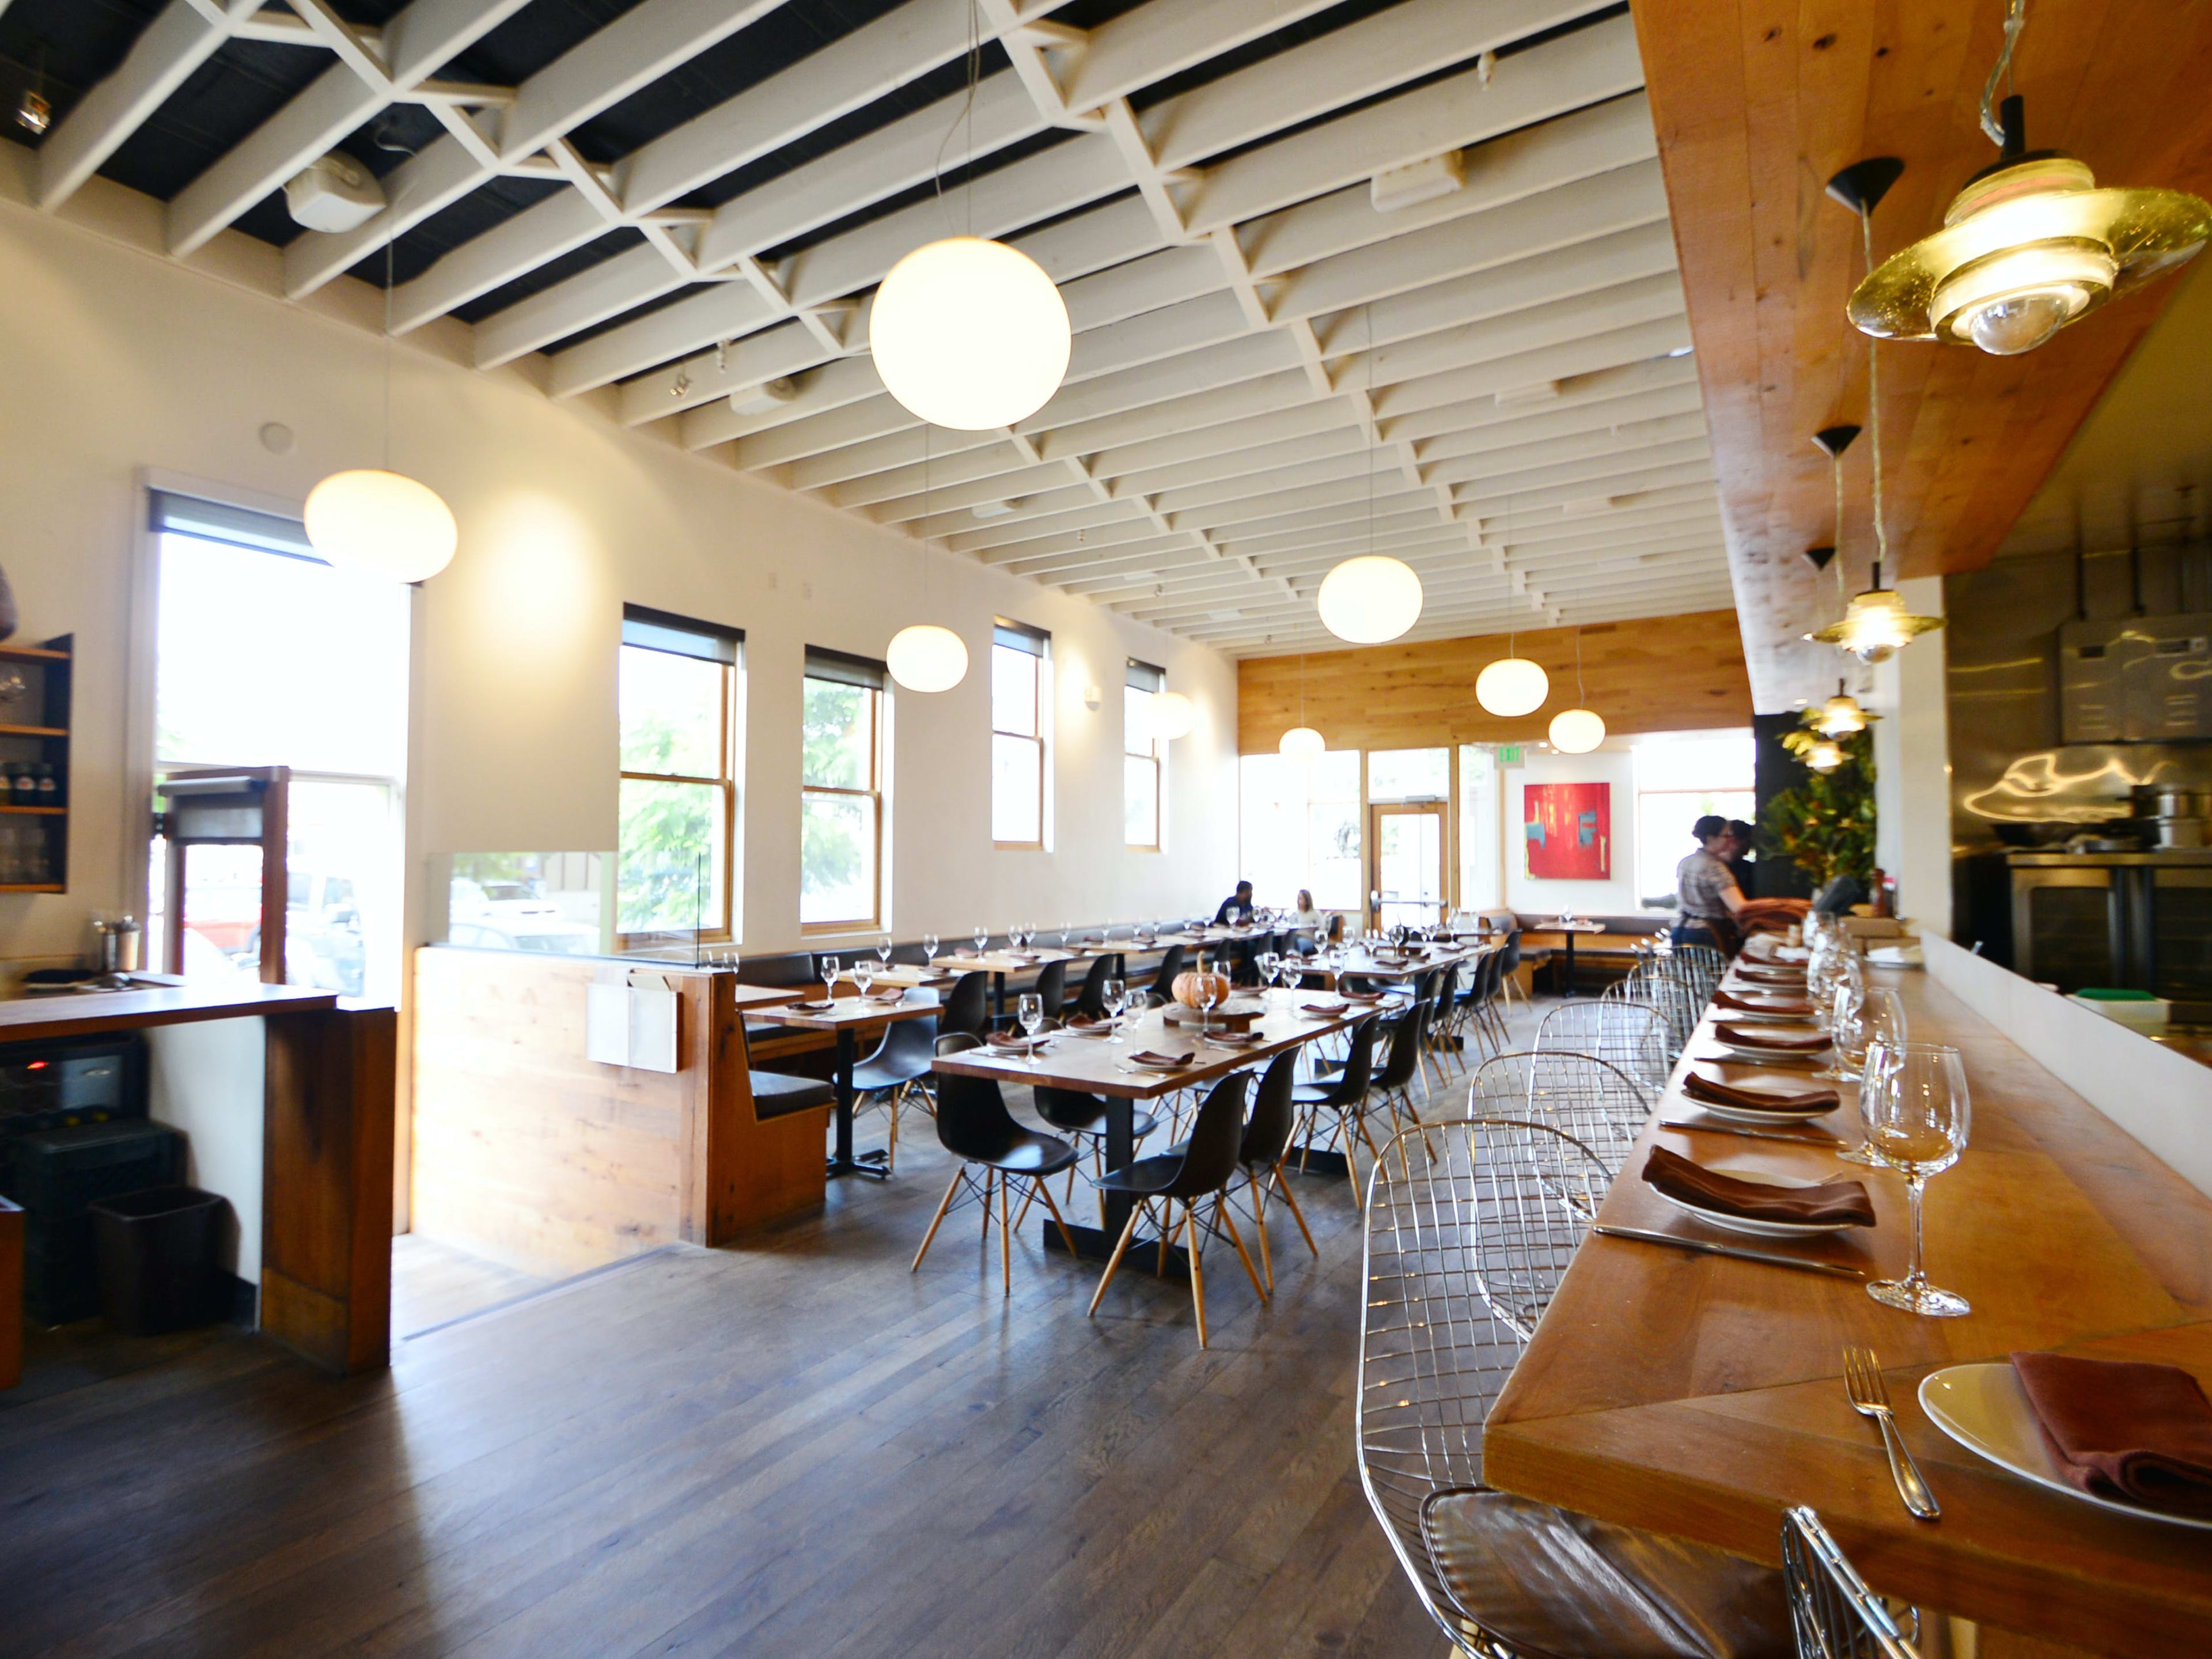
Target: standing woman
[[1706, 889]]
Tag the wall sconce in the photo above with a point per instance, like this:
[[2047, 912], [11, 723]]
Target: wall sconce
[[1092, 696]]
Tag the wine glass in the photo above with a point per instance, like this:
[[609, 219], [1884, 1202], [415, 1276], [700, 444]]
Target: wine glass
[[863, 975], [1029, 1011], [827, 967], [1134, 1009], [1066, 934], [884, 950], [982, 936], [930, 947], [1847, 1033], [1265, 964], [1917, 1116], [1209, 993], [1114, 993]]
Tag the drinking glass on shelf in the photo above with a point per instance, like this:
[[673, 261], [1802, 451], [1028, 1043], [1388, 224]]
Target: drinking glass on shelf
[[929, 950], [863, 975], [1917, 1116], [827, 967], [884, 950], [1114, 993]]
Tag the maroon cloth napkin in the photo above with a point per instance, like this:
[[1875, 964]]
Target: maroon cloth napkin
[[1745, 1036], [1236, 1039], [1361, 996], [1698, 1086], [1325, 1007], [2139, 1433], [1148, 1057], [1015, 1045], [1845, 1201], [814, 1006], [889, 993], [1763, 1003]]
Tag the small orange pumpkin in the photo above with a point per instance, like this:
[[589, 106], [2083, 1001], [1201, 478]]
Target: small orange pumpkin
[[1191, 985]]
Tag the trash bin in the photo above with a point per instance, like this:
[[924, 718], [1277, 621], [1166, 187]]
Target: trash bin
[[157, 1259]]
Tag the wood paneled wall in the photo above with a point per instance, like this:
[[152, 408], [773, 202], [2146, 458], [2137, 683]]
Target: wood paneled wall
[[1663, 674]]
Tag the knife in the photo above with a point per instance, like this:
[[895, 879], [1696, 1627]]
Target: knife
[[1835, 1270], [1824, 1143]]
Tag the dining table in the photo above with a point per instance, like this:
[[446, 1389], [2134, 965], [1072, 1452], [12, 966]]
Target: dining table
[[946, 969], [1100, 1067], [845, 1019], [1700, 1395], [1560, 935]]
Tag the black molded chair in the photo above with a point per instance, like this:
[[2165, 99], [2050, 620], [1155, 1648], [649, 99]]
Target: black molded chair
[[974, 1125], [1052, 988], [1075, 1113], [1342, 1100], [967, 1007], [1163, 981], [1201, 1170], [1266, 1142], [1091, 1000], [895, 1070], [1408, 1037]]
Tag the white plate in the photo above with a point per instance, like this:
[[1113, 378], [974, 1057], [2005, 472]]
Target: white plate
[[1746, 1171], [1984, 1408]]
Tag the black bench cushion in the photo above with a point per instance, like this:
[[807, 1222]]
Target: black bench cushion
[[776, 1094]]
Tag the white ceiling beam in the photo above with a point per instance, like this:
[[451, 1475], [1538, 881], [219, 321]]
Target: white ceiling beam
[[1635, 379], [1414, 388], [163, 59], [1155, 41], [1533, 86], [418, 41]]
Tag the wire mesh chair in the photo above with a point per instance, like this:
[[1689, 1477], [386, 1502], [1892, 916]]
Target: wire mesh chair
[[1671, 999], [1630, 1036], [1698, 967], [1833, 1613], [1463, 1255], [1601, 1106]]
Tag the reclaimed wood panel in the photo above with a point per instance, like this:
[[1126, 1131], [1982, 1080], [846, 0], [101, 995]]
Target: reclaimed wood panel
[[1757, 104], [1681, 673]]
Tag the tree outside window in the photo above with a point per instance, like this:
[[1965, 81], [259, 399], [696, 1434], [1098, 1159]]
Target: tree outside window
[[676, 687], [841, 798]]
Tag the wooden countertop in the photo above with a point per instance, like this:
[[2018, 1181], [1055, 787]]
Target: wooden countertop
[[79, 1013], [1699, 1396]]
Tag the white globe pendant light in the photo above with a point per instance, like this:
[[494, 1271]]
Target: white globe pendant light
[[1302, 743], [1576, 730], [1511, 686], [381, 523], [1172, 716], [970, 334], [927, 658], [1370, 599]]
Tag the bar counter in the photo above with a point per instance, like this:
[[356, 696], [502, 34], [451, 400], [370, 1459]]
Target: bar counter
[[1700, 1396]]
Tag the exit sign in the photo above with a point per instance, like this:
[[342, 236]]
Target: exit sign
[[1509, 754]]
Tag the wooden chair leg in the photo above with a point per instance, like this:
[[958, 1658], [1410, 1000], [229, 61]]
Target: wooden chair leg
[[1260, 1220], [891, 1151], [943, 1204], [1115, 1261], [1197, 1276], [1222, 1214], [1291, 1198], [1059, 1221], [1028, 1199]]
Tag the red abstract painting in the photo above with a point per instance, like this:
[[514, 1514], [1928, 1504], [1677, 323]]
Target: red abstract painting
[[1569, 828]]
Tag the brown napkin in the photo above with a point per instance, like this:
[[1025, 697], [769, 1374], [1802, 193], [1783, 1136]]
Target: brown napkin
[[1147, 1057], [889, 993], [1015, 1045], [1697, 1086], [1845, 1201], [1770, 973], [814, 1006], [1236, 1039], [1325, 1007], [1763, 1004], [1361, 996], [1745, 1036], [2139, 1433]]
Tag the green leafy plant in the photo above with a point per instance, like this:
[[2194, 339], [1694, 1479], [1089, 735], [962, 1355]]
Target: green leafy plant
[[1825, 825]]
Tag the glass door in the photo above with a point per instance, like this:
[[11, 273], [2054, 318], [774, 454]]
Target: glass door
[[1409, 864]]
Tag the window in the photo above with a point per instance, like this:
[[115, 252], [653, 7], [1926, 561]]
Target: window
[[676, 690], [1300, 827], [1141, 814], [841, 803], [1678, 781], [1021, 701], [248, 609]]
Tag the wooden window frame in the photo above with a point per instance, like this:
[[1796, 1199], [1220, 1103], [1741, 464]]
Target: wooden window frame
[[874, 793], [1150, 754], [725, 747], [1034, 735]]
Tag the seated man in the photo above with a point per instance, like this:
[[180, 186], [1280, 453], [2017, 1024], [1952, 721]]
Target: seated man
[[1237, 908]]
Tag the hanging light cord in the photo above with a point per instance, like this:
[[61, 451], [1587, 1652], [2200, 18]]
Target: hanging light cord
[[1368, 323], [1582, 691], [1874, 414], [966, 115], [2015, 20]]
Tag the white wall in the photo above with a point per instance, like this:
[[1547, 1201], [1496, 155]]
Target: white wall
[[1912, 768], [120, 359], [1616, 896]]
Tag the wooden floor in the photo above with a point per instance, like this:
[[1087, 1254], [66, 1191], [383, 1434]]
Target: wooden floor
[[790, 1447]]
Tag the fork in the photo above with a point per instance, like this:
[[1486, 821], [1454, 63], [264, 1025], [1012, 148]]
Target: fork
[[1870, 1394]]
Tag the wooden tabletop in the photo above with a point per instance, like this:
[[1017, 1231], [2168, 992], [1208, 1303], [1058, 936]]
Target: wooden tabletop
[[1699, 1396], [1093, 1066], [848, 1011], [76, 1013]]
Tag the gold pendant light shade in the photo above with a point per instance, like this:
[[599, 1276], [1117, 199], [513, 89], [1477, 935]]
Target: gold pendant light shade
[[1877, 626], [1840, 716], [2025, 250]]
